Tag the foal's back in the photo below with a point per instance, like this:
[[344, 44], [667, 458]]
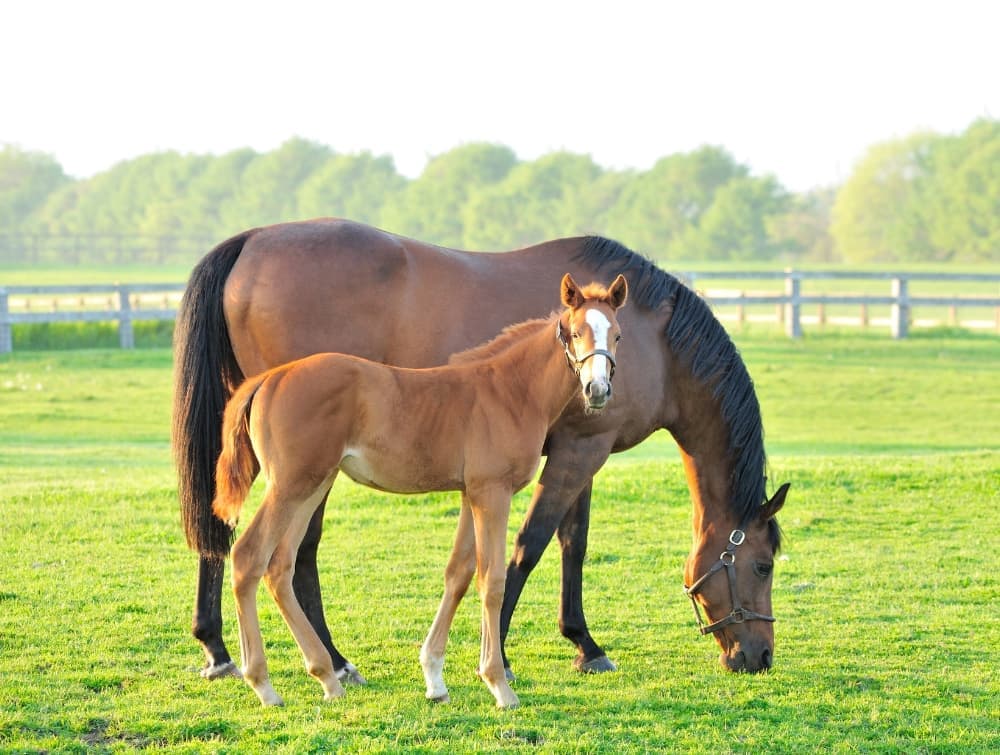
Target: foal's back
[[394, 429]]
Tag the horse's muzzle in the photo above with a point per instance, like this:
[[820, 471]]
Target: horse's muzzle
[[753, 663], [597, 393]]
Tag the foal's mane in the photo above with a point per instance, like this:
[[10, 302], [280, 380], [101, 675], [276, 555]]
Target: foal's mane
[[507, 338], [699, 341]]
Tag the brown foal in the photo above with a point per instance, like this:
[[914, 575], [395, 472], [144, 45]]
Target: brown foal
[[477, 426]]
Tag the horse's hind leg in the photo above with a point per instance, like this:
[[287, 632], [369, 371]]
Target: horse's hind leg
[[279, 581], [457, 576], [307, 591]]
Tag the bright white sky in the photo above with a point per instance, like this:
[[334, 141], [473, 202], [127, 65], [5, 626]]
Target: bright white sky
[[797, 89]]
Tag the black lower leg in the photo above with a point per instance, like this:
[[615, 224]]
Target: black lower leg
[[207, 623], [305, 582], [573, 532]]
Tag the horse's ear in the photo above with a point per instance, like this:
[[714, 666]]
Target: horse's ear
[[572, 297], [618, 292], [773, 506]]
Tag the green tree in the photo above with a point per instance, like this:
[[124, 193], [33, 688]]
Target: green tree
[[430, 207], [550, 197], [880, 214], [964, 207], [736, 225], [657, 209], [267, 187], [803, 230], [27, 179], [351, 186]]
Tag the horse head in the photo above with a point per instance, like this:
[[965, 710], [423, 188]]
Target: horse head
[[737, 603], [588, 330]]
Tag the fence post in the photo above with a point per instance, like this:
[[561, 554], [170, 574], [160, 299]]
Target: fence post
[[6, 344], [900, 315], [793, 307], [126, 335]]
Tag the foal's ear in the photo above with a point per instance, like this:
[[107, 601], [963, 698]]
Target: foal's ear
[[773, 506], [572, 297], [618, 292]]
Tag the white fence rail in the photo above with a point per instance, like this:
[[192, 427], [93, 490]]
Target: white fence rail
[[125, 304], [129, 303]]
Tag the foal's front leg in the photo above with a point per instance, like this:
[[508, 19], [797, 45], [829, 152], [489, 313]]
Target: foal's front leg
[[457, 576], [490, 511]]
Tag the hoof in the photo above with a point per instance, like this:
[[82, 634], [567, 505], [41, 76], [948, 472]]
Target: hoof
[[509, 703], [509, 674], [350, 675], [445, 698], [600, 665], [222, 670], [269, 698]]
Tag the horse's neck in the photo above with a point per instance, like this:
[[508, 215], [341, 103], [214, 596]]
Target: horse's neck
[[703, 437]]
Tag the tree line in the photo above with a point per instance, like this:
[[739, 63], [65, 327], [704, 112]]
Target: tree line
[[926, 197]]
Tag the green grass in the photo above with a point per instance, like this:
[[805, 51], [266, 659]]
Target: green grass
[[884, 592]]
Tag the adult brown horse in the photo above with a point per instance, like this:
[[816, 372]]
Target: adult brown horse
[[274, 294], [477, 425]]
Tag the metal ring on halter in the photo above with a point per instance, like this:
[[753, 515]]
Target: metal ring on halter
[[738, 614]]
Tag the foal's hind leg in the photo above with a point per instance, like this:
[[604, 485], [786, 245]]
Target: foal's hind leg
[[250, 555], [279, 581], [457, 576]]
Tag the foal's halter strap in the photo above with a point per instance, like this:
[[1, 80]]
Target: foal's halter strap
[[726, 561], [575, 362]]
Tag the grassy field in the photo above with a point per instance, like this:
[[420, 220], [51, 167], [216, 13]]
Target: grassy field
[[884, 593]]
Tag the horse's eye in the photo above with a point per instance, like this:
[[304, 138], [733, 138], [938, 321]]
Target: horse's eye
[[575, 334], [618, 338], [761, 569]]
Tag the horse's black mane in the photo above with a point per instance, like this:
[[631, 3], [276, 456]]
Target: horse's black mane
[[700, 341]]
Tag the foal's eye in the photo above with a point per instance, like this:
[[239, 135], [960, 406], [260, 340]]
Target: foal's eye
[[761, 569], [575, 334], [618, 338]]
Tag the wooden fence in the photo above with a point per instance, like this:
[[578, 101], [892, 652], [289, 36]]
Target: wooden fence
[[126, 304]]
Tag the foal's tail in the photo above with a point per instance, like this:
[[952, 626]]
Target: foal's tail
[[205, 374], [237, 466]]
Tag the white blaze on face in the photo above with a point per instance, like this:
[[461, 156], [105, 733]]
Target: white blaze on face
[[596, 368]]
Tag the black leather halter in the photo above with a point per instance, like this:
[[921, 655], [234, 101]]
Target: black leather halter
[[726, 561], [575, 362]]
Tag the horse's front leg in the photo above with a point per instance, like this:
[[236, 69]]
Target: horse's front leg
[[569, 469], [307, 592], [490, 512], [457, 576], [572, 534]]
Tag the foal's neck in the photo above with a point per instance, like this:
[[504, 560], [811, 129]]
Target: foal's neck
[[537, 365]]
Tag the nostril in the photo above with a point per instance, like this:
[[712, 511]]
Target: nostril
[[765, 659]]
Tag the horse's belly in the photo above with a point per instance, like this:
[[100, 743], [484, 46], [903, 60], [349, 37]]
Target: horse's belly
[[367, 470]]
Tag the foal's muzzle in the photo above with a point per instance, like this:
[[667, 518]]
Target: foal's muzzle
[[598, 393]]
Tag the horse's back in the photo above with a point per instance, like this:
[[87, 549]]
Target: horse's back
[[336, 285]]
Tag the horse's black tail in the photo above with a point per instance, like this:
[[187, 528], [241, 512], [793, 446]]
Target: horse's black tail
[[205, 375]]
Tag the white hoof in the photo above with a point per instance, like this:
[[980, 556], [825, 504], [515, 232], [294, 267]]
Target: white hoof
[[220, 671], [350, 675]]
